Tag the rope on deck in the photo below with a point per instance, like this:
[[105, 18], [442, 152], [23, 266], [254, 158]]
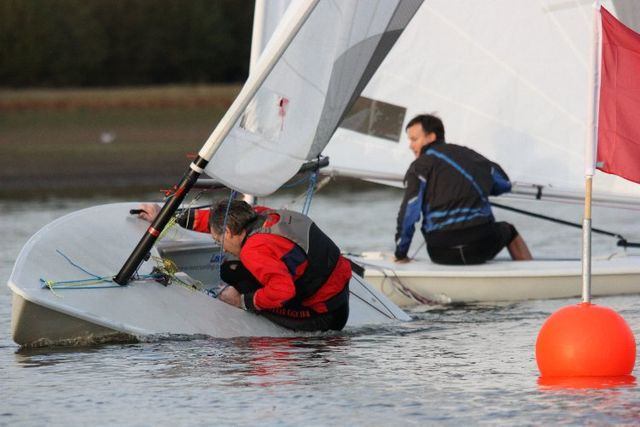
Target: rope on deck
[[164, 272]]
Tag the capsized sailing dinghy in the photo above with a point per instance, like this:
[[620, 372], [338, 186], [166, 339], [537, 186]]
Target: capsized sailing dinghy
[[57, 300], [510, 79], [284, 115]]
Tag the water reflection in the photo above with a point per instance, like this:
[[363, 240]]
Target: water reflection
[[583, 383], [267, 362], [593, 400], [49, 356]]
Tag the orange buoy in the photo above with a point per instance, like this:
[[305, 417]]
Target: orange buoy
[[585, 340]]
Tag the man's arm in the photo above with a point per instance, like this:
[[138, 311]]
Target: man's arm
[[191, 219], [198, 219], [194, 219], [409, 212], [501, 183]]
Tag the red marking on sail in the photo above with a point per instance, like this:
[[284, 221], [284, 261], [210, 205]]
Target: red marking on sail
[[282, 110], [619, 112]]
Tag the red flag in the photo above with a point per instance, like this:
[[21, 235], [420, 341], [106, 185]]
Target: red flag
[[619, 115]]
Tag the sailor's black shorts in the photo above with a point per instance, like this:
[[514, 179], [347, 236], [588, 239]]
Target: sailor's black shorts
[[498, 235]]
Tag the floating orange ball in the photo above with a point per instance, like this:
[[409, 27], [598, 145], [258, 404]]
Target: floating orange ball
[[585, 340]]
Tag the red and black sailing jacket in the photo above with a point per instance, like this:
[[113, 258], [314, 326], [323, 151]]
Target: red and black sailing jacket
[[298, 265]]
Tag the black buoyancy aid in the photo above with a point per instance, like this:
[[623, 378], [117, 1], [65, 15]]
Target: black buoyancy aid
[[322, 253]]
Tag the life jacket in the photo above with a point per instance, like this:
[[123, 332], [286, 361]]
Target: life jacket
[[321, 252]]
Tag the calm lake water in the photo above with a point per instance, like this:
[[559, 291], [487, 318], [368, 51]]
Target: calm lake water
[[449, 366]]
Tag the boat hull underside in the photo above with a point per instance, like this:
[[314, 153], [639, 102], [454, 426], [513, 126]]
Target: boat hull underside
[[38, 326]]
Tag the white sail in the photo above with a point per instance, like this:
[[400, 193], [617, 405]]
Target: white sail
[[509, 78], [303, 98], [266, 17]]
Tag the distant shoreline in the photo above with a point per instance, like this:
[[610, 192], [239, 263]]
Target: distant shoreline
[[124, 141], [171, 96], [66, 141]]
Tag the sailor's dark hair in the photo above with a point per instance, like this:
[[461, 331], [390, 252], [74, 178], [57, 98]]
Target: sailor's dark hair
[[240, 215], [430, 123]]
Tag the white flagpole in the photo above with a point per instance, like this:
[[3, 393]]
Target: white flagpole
[[590, 152]]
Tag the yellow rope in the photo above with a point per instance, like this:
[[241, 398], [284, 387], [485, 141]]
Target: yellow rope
[[169, 268], [50, 284], [172, 222]]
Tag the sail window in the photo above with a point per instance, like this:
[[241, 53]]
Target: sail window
[[375, 118], [265, 115]]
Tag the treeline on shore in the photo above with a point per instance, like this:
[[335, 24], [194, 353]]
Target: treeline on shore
[[80, 43]]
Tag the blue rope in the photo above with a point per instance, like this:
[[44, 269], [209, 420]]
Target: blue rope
[[295, 183], [107, 279], [313, 178], [218, 260], [57, 285], [232, 196], [77, 266]]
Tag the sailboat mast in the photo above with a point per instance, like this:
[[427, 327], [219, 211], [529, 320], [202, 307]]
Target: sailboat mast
[[257, 39], [257, 35], [214, 141]]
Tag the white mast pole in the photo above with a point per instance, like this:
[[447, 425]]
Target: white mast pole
[[257, 38], [590, 153]]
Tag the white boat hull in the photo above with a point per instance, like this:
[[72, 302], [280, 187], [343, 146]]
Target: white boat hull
[[97, 241], [35, 325], [421, 281]]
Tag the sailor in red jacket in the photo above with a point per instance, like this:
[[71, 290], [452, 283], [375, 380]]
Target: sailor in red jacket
[[288, 269]]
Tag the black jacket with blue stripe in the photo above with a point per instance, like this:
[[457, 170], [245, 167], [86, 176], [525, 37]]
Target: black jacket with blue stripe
[[448, 186]]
